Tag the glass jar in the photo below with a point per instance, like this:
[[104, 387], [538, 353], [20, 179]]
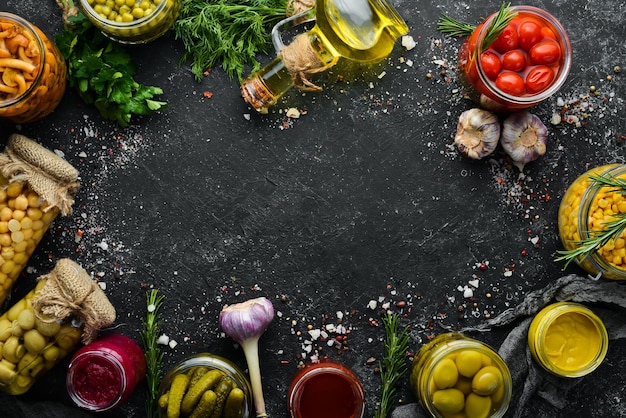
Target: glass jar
[[510, 84], [33, 72], [585, 208], [568, 339], [143, 22], [456, 374], [103, 374], [229, 380], [326, 388], [30, 347]]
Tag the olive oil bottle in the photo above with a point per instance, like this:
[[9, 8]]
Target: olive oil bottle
[[363, 31]]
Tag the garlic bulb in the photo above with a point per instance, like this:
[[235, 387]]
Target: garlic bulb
[[524, 138], [478, 132]]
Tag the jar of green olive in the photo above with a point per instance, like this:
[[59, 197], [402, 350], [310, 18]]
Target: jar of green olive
[[33, 73], [132, 21], [37, 332], [455, 375], [585, 210]]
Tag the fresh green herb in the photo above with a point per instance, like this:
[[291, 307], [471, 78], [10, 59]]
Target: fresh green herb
[[394, 363], [454, 27], [154, 356], [598, 238], [227, 32], [103, 71]]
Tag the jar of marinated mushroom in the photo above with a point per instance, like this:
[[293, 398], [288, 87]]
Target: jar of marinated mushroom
[[33, 73]]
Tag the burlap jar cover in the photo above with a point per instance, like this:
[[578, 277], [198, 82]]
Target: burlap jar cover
[[35, 186], [65, 308]]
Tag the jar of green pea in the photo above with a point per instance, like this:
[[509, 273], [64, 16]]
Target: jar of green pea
[[132, 21], [585, 212]]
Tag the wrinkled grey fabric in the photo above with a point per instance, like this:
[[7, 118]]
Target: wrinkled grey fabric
[[529, 379]]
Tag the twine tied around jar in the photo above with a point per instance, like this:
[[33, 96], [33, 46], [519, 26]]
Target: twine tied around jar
[[295, 7], [301, 60], [70, 291], [67, 10], [50, 176]]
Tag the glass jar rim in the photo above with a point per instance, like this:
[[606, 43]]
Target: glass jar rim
[[91, 13], [83, 358], [562, 39], [548, 315], [26, 25]]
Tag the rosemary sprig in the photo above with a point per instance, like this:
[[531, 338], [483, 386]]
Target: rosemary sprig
[[453, 27], [394, 363], [598, 238], [154, 355]]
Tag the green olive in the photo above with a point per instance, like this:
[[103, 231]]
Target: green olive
[[449, 400], [445, 374], [477, 406], [487, 380], [468, 362]]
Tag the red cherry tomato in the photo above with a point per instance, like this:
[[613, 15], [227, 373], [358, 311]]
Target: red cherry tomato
[[490, 64], [548, 33], [539, 78], [545, 52], [529, 34], [514, 60], [507, 40], [511, 83]]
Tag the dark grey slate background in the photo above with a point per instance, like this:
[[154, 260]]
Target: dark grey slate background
[[362, 198]]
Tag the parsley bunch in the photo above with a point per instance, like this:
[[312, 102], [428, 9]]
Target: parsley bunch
[[103, 72], [227, 32]]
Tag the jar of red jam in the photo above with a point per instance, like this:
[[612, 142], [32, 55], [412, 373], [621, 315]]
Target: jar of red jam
[[103, 374], [528, 63], [326, 389], [32, 70]]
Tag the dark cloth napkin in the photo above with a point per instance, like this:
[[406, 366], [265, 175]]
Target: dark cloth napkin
[[607, 299]]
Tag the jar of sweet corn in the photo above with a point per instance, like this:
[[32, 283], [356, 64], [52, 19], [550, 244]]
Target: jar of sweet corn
[[584, 212], [35, 186], [568, 339], [32, 70], [65, 308], [455, 375], [132, 21]]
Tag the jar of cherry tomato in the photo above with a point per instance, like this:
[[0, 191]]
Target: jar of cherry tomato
[[525, 65], [33, 73]]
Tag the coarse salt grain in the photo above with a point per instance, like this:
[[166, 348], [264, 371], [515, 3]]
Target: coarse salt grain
[[372, 304], [163, 340], [172, 343], [408, 42]]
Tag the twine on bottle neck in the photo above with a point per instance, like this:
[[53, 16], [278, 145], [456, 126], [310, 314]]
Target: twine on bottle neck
[[297, 6], [67, 10], [301, 60]]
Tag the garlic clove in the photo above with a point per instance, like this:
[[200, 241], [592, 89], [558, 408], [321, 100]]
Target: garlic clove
[[524, 138], [478, 132]]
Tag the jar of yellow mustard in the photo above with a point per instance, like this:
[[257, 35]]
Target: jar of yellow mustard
[[455, 375], [568, 339], [585, 209], [33, 73]]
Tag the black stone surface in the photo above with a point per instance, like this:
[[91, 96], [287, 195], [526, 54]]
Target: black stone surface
[[362, 198]]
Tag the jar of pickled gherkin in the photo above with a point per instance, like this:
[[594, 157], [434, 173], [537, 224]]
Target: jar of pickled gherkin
[[33, 73], [455, 375], [584, 212], [132, 21], [65, 308], [36, 185]]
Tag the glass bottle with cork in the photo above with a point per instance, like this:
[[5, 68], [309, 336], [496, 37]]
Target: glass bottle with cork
[[364, 31]]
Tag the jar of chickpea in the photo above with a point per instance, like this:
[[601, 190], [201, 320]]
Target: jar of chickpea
[[585, 210], [33, 74], [132, 21], [36, 185]]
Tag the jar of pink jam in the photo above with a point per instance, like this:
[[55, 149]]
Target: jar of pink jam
[[102, 375]]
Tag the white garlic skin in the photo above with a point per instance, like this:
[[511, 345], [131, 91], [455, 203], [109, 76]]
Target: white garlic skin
[[524, 138], [478, 132]]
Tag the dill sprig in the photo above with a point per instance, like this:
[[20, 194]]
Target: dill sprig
[[394, 363], [598, 238], [154, 355], [453, 27], [229, 33]]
